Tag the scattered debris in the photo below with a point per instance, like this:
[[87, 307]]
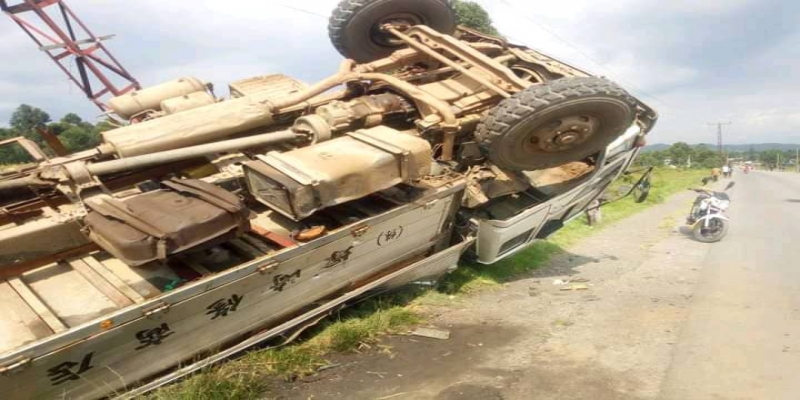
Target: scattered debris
[[363, 347], [391, 396], [575, 287], [384, 349], [329, 366], [560, 282], [432, 333]]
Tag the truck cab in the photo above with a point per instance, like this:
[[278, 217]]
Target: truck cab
[[515, 222]]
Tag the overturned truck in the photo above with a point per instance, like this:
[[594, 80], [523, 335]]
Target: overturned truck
[[202, 226]]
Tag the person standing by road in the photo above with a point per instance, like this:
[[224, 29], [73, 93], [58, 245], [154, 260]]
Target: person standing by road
[[715, 173], [726, 171]]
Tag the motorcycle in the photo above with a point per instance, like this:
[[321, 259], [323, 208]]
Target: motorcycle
[[707, 217]]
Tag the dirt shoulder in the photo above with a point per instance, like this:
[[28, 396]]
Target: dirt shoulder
[[610, 337]]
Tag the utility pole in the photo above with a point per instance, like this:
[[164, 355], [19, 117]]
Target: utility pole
[[719, 126]]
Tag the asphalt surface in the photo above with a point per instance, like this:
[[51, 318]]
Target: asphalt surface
[[742, 336]]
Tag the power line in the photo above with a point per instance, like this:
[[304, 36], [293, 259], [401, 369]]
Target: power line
[[302, 10], [581, 52]]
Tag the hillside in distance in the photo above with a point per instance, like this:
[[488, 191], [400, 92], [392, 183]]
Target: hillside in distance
[[732, 147]]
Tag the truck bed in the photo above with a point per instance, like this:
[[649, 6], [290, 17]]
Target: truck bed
[[68, 293], [90, 325]]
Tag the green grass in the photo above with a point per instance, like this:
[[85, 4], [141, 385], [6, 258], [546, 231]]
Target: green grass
[[247, 377]]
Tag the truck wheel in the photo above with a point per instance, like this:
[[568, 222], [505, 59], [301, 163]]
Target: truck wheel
[[556, 122], [354, 27]]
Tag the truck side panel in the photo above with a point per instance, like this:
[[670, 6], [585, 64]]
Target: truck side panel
[[119, 357]]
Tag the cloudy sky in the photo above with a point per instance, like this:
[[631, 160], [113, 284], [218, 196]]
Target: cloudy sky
[[694, 61]]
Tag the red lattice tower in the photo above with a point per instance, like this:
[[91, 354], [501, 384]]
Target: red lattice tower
[[68, 41]]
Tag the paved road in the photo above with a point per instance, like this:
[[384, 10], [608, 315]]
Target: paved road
[[662, 317], [742, 337]]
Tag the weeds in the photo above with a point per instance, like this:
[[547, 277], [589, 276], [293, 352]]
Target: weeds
[[247, 377]]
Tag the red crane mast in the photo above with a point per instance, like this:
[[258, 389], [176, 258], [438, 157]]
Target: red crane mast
[[59, 33]]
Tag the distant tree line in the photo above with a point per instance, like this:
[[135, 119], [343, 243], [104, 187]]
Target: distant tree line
[[26, 121], [699, 156]]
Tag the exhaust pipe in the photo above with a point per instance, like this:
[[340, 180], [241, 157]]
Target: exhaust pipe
[[148, 160]]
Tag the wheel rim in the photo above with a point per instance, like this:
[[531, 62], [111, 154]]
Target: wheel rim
[[561, 135], [534, 128], [714, 229]]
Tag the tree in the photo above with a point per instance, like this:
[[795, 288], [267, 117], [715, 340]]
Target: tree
[[651, 159], [75, 133], [472, 15], [26, 118], [679, 153], [12, 153], [71, 118], [751, 153], [704, 157], [77, 138]]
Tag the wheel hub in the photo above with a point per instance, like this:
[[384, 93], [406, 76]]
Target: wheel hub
[[566, 138], [398, 20], [562, 135]]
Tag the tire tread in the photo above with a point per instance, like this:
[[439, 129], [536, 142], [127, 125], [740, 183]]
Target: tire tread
[[513, 110]]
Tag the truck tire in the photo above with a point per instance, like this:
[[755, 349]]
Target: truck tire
[[354, 27], [554, 123]]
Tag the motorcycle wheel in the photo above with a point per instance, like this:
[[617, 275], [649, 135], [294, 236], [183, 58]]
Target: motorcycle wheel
[[716, 230]]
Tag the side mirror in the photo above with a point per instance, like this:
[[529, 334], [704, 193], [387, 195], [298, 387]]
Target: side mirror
[[730, 185], [642, 188]]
